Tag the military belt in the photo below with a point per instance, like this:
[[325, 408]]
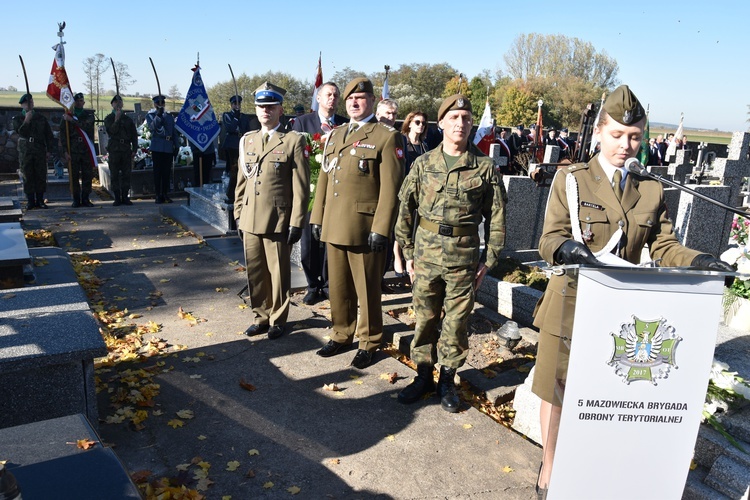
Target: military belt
[[446, 230]]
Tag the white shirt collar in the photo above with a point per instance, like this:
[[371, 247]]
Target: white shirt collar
[[362, 122], [610, 169]]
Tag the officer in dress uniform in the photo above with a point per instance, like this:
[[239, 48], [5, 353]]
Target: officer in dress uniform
[[123, 143], [234, 124], [270, 208], [451, 189], [77, 151], [618, 212], [34, 144], [164, 147], [354, 211]]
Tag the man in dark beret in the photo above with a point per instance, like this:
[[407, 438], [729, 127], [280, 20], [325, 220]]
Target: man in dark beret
[[122, 145], [354, 210], [35, 140], [76, 141], [451, 189], [618, 212]]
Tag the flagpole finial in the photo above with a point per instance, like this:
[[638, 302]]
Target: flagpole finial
[[540, 103], [60, 27]]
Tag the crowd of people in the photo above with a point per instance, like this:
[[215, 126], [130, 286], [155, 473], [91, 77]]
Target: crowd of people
[[379, 191]]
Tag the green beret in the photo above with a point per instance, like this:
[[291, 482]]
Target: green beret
[[361, 84], [24, 98], [623, 106], [456, 101]]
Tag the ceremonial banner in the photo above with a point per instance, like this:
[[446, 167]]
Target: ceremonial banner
[[485, 130], [318, 83], [58, 88], [197, 120], [672, 148], [386, 94], [640, 357]]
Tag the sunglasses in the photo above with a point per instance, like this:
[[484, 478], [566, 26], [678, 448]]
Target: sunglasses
[[417, 122]]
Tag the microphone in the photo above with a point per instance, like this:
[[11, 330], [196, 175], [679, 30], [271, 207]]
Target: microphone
[[633, 166]]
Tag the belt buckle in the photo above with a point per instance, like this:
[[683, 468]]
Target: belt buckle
[[30, 139], [444, 230], [168, 138]]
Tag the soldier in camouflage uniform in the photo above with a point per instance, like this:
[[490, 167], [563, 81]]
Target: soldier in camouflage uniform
[[123, 143], [443, 200], [77, 151], [34, 143]]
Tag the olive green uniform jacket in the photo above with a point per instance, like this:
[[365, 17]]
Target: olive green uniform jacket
[[643, 216]]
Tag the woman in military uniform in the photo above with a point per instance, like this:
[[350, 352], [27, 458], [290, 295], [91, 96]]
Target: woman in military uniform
[[618, 213]]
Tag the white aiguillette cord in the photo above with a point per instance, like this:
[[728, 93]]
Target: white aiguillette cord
[[571, 192]]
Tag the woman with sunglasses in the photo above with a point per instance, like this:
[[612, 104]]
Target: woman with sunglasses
[[414, 131]]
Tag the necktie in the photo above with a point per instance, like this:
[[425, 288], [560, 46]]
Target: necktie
[[265, 140], [352, 128], [616, 181]]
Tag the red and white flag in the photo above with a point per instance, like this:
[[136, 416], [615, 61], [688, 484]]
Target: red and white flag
[[58, 88], [485, 130], [538, 135], [318, 83]]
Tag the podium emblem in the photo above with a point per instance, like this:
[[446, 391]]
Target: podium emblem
[[644, 350]]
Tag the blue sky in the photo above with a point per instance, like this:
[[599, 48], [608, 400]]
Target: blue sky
[[686, 57]]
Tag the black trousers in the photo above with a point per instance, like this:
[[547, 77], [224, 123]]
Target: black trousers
[[313, 258], [162, 171]]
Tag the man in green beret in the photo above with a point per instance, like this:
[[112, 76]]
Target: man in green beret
[[451, 189], [76, 140], [123, 143], [618, 212], [354, 210], [34, 145]]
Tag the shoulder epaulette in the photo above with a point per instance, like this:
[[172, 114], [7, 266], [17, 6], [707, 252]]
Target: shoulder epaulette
[[576, 167], [391, 129]]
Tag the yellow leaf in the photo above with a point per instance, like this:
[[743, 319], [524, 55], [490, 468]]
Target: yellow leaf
[[183, 467], [391, 437], [202, 485], [157, 413], [693, 465], [226, 497], [354, 377], [253, 452], [334, 461], [242, 306], [222, 289], [186, 414], [293, 490], [507, 468], [268, 485], [232, 466], [358, 382], [135, 316], [202, 437], [175, 423], [204, 465], [164, 280], [188, 259], [467, 426]]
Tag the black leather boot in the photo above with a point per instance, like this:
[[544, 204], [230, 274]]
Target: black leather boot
[[85, 200], [31, 201], [126, 199], [446, 390], [118, 200], [422, 384], [40, 201]]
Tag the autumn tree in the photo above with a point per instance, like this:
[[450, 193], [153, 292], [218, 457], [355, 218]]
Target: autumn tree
[[516, 105], [174, 96], [124, 80], [94, 68]]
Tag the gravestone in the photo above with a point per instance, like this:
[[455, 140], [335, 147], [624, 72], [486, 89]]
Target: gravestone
[[497, 157], [14, 255], [551, 154], [524, 216], [732, 169], [680, 166]]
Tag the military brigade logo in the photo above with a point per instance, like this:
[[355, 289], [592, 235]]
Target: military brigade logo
[[361, 86], [460, 102], [627, 117], [644, 350]]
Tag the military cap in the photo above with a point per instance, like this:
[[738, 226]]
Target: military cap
[[623, 106], [520, 127], [116, 98], [299, 108], [360, 84], [456, 101], [235, 99], [268, 93], [24, 98], [564, 130], [79, 95], [159, 97]]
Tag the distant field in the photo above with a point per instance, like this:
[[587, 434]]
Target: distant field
[[42, 101], [709, 136]]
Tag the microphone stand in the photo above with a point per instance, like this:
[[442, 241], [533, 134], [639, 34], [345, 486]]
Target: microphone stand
[[638, 169]]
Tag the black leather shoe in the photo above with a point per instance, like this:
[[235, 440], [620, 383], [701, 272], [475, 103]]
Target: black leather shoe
[[275, 331], [362, 359], [87, 203], [422, 384], [126, 201], [167, 199], [256, 330], [311, 297], [41, 204], [330, 349], [75, 204]]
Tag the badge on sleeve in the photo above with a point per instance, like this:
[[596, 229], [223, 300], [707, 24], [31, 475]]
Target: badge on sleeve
[[399, 153], [307, 153]]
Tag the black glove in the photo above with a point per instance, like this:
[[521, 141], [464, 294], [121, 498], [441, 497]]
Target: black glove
[[377, 242], [160, 111], [572, 252], [708, 262], [295, 234], [316, 231]]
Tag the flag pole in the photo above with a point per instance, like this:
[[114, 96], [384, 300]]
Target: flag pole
[[60, 34]]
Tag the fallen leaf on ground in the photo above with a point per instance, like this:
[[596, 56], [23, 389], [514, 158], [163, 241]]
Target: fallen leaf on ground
[[186, 414], [391, 437], [467, 426], [221, 289], [331, 387], [175, 423], [232, 466], [250, 473], [140, 476], [293, 490], [85, 444], [202, 437], [334, 461], [253, 452], [507, 468], [164, 280], [268, 485], [246, 385]]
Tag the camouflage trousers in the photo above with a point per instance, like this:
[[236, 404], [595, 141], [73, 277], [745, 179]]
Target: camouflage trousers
[[34, 171], [438, 289]]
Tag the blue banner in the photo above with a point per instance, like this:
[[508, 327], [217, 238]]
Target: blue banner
[[197, 120]]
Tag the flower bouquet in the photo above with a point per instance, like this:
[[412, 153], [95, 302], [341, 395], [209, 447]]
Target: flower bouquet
[[725, 390], [314, 150]]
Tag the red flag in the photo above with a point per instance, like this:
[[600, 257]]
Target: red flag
[[318, 83], [58, 88], [538, 135]]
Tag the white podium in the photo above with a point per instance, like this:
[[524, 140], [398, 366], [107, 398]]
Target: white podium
[[640, 348]]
